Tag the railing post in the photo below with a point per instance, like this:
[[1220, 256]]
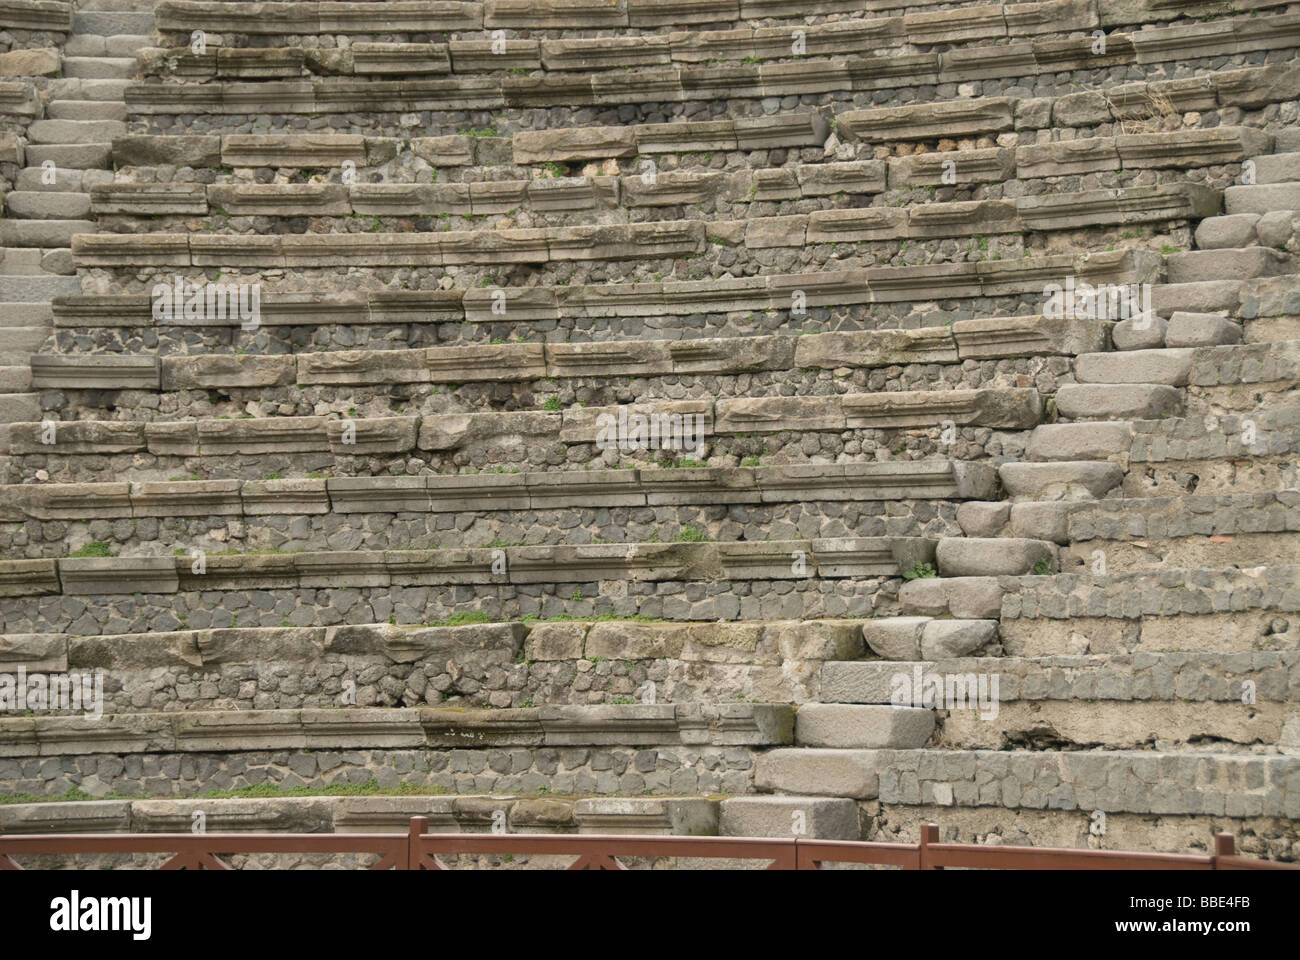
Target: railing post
[[929, 835], [419, 825], [1224, 846]]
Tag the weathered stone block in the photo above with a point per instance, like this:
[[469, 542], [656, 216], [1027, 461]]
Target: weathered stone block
[[862, 726], [1002, 556]]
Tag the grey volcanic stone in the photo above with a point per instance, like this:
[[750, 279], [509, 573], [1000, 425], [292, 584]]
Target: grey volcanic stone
[[869, 726], [1002, 556], [944, 639], [1201, 330], [1076, 441], [896, 638], [1115, 401], [815, 772]]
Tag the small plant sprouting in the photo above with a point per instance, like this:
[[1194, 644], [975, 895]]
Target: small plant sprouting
[[920, 571]]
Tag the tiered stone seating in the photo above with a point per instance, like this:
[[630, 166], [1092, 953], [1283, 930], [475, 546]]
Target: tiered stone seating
[[946, 544]]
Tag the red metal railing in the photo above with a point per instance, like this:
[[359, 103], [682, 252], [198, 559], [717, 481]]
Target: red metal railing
[[419, 850]]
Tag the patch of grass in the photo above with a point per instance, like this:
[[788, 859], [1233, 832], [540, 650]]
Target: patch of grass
[[552, 404], [462, 619], [96, 548], [1042, 568], [690, 534]]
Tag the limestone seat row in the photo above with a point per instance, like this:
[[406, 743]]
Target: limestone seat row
[[540, 490], [655, 240], [995, 337], [645, 562], [497, 665], [681, 66], [429, 727], [466, 813], [435, 16], [823, 288], [573, 195], [1003, 408]]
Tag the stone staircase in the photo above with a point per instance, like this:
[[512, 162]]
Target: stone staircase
[[65, 153], [659, 430]]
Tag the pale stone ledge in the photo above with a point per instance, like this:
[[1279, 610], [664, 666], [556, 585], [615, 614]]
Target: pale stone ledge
[[731, 724], [463, 813], [657, 239], [641, 562], [19, 99], [40, 15], [670, 298]]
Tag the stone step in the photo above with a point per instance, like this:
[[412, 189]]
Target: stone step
[[1227, 232], [1277, 168], [1030, 519], [99, 68], [134, 6], [1107, 401], [871, 681], [862, 727], [1201, 330], [1262, 198], [36, 289], [71, 88], [43, 233], [95, 45], [1079, 441], [1060, 480], [17, 344], [112, 23], [15, 379], [18, 407], [1239, 264], [49, 205], [994, 556], [13, 314], [1171, 367], [21, 261], [811, 771], [815, 818], [912, 638], [1204, 296], [1139, 333], [85, 110], [66, 180], [67, 132], [1201, 677], [1287, 140], [75, 156]]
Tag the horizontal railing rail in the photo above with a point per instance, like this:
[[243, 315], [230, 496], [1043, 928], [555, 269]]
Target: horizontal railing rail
[[419, 850]]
